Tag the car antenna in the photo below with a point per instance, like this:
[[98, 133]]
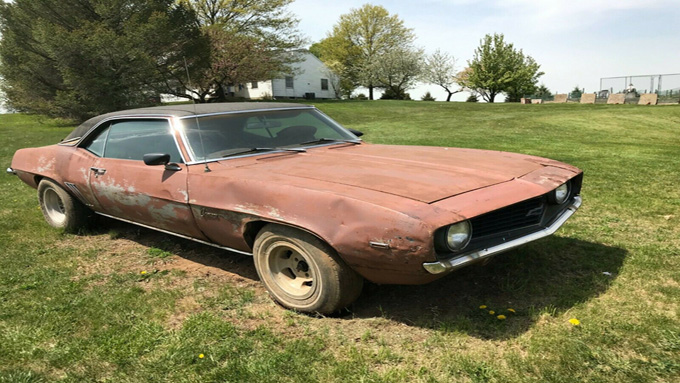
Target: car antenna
[[198, 125]]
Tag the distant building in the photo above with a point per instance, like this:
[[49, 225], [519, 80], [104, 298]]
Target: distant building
[[311, 80]]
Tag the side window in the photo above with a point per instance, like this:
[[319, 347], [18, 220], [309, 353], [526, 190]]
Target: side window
[[132, 139], [96, 146]]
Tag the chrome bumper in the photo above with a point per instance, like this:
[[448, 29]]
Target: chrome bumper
[[11, 171], [466, 259]]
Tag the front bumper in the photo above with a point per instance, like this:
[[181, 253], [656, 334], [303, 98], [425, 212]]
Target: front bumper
[[469, 258]]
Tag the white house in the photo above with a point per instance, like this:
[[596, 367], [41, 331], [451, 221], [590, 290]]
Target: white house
[[311, 80]]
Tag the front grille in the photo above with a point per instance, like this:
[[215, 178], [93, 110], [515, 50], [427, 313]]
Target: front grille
[[513, 217]]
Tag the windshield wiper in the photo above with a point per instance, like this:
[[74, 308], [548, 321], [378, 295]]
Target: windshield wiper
[[324, 139], [255, 150]]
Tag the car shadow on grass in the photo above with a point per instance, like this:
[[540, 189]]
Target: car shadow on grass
[[199, 254], [548, 276]]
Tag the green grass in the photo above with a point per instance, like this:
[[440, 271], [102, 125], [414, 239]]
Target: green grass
[[126, 304]]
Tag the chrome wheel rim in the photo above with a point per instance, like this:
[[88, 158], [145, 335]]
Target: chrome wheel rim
[[54, 206], [291, 269]]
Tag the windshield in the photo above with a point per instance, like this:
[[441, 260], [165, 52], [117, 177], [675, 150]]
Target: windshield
[[227, 135]]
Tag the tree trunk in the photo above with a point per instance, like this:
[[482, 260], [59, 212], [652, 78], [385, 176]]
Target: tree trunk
[[448, 98], [220, 95], [370, 92], [492, 96]]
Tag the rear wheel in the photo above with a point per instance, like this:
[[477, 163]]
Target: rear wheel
[[60, 209], [303, 273]]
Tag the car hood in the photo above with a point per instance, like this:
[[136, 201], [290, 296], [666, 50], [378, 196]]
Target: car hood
[[426, 174]]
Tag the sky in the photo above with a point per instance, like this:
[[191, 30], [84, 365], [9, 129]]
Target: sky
[[576, 42]]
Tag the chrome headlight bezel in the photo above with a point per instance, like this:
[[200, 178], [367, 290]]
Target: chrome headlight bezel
[[561, 193]]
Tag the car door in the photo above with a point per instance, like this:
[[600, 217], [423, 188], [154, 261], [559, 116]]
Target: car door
[[126, 188]]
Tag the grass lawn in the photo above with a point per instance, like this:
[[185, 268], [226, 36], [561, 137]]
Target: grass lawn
[[79, 307]]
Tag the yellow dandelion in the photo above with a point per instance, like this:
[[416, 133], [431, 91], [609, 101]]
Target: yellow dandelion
[[492, 312], [143, 272], [574, 321], [501, 317], [201, 356], [512, 310], [482, 307]]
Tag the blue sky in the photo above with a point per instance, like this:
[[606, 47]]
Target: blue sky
[[575, 41]]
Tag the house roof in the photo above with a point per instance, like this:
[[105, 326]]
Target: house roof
[[181, 111]]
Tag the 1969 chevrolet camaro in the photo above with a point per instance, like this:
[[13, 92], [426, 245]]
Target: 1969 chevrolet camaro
[[319, 209]]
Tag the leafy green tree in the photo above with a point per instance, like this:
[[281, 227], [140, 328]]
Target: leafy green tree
[[250, 40], [440, 69], [327, 50], [360, 40], [472, 98], [428, 97], [391, 94], [497, 67], [78, 58], [576, 93], [543, 92]]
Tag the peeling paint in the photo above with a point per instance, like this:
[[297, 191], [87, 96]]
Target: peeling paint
[[114, 192]]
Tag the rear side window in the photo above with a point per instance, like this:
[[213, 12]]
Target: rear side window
[[132, 139]]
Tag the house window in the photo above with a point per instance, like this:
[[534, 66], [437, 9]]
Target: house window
[[324, 84], [289, 81], [253, 85]]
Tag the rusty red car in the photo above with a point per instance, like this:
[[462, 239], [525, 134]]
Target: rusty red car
[[319, 209]]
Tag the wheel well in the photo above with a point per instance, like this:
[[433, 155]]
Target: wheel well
[[37, 180], [253, 228]]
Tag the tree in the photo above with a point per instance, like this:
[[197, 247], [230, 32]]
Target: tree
[[576, 93], [440, 69], [76, 59], [360, 40], [398, 70], [428, 97], [250, 40], [340, 75], [391, 94], [543, 92], [497, 67], [234, 59]]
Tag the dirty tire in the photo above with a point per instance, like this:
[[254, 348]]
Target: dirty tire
[[303, 273], [60, 209]]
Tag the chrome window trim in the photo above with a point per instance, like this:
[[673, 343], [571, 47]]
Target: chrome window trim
[[168, 118], [471, 257]]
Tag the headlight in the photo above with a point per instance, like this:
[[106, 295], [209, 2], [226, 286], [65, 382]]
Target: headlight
[[458, 235], [561, 193]]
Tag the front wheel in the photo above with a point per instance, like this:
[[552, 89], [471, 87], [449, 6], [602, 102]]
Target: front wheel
[[302, 272], [60, 209]]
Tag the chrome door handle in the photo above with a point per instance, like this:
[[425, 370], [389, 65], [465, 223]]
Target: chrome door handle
[[98, 171]]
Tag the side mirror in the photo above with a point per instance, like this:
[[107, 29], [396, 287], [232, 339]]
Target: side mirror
[[152, 159], [356, 132]]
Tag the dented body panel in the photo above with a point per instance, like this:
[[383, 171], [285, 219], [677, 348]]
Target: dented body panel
[[378, 206]]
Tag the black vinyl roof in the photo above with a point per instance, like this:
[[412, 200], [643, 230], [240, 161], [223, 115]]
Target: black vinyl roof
[[181, 111]]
